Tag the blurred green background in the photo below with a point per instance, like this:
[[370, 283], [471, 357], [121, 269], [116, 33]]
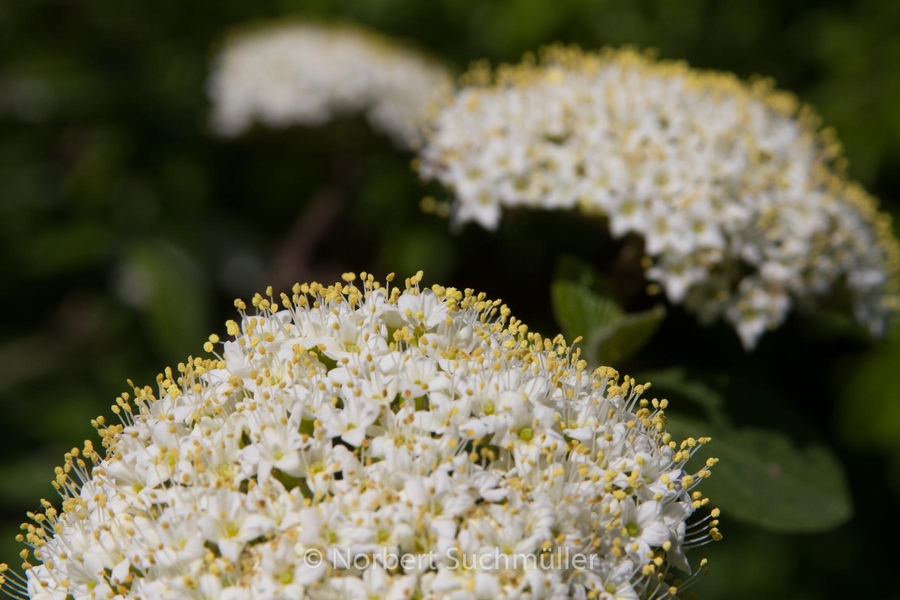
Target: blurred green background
[[127, 228]]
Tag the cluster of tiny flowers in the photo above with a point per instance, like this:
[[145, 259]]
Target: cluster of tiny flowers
[[732, 186], [354, 424], [306, 74]]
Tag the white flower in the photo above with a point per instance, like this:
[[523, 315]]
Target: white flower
[[284, 467], [305, 73], [725, 182], [644, 523], [349, 422]]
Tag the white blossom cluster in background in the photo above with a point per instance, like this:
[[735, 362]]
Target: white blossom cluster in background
[[353, 424], [305, 73], [730, 185]]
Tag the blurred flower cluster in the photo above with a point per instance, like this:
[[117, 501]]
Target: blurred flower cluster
[[731, 186], [303, 73]]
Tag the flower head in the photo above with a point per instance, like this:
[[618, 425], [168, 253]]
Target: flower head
[[375, 441], [305, 73], [732, 186]]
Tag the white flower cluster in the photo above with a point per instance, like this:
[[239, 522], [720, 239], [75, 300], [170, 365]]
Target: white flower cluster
[[731, 186], [355, 424], [307, 74]]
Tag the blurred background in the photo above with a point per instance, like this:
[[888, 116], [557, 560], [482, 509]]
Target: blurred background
[[127, 228]]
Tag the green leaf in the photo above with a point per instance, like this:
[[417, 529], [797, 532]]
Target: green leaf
[[622, 339], [171, 289], [762, 478], [578, 310], [610, 335], [577, 270], [675, 381]]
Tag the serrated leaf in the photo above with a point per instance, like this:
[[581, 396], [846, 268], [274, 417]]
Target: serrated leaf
[[610, 335], [763, 479]]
